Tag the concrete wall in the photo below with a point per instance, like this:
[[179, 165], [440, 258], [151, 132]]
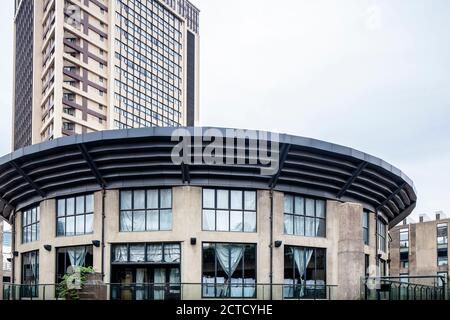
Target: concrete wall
[[343, 241]]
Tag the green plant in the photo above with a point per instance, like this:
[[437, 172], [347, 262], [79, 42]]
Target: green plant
[[72, 282]]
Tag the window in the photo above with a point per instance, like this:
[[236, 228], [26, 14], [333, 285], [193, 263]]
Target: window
[[404, 248], [146, 210], [229, 270], [30, 274], [229, 210], [147, 253], [304, 273], [304, 217], [366, 224], [30, 225], [381, 268], [75, 216], [381, 234], [72, 257], [70, 126], [442, 244], [442, 278], [367, 265]]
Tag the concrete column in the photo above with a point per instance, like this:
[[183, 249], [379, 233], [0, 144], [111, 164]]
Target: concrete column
[[187, 208], [350, 249], [47, 260]]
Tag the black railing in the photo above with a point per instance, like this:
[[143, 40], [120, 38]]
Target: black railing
[[181, 291], [405, 288]]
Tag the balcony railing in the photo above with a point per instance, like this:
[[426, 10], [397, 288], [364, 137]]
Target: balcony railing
[[180, 291], [405, 288]]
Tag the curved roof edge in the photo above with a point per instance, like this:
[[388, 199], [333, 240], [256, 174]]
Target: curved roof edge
[[284, 139]]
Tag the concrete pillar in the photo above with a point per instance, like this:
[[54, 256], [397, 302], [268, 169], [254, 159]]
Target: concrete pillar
[[47, 260], [187, 219], [350, 251]]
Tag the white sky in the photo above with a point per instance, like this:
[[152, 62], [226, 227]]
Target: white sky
[[372, 75]]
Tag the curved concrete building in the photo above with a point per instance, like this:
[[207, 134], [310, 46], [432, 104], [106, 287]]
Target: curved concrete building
[[268, 216]]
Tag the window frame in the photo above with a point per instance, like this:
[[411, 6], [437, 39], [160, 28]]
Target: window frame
[[31, 224], [35, 292], [74, 215], [441, 245], [304, 216], [381, 238], [216, 263], [146, 245], [57, 249], [230, 210], [366, 229], [294, 268], [146, 209]]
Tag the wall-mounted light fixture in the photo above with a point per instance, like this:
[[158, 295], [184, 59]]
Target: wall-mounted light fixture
[[278, 243], [48, 247], [15, 253], [96, 243], [193, 241]]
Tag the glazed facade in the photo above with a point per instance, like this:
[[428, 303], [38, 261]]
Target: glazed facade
[[90, 65]]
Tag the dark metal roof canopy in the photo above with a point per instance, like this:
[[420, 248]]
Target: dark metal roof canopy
[[142, 157]]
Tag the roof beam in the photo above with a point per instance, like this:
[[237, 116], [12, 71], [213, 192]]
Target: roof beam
[[28, 179], [282, 159], [90, 162], [186, 176], [352, 179], [392, 196]]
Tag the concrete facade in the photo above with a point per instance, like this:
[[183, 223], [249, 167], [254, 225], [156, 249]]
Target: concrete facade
[[422, 249], [345, 250]]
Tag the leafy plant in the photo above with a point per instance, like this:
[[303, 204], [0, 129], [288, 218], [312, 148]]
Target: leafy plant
[[72, 282]]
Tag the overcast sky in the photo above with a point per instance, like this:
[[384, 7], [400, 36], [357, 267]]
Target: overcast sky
[[372, 75]]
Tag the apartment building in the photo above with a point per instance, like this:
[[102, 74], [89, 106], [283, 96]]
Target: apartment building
[[420, 248], [89, 65]]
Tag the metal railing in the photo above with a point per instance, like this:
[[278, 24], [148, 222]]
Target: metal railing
[[180, 291], [405, 288]]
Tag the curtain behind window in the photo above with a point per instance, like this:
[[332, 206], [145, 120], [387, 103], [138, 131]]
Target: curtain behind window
[[229, 257], [77, 256], [302, 257]]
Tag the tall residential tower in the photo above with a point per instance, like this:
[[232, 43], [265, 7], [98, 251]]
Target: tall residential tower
[[88, 65]]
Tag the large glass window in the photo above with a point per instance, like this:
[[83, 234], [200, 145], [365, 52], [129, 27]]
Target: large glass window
[[146, 210], [304, 272], [146, 271], [147, 253], [75, 216], [381, 234], [30, 274], [72, 257], [229, 270], [229, 210], [442, 244], [30, 225], [304, 216], [404, 248], [366, 224]]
